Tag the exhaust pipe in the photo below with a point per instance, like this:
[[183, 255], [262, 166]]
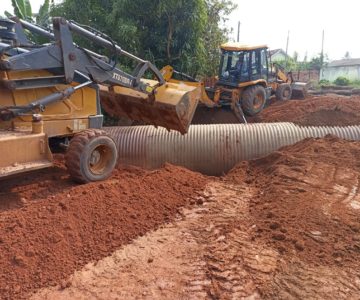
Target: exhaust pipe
[[213, 149]]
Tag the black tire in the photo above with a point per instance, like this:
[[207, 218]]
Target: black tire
[[91, 156], [253, 100], [283, 92]]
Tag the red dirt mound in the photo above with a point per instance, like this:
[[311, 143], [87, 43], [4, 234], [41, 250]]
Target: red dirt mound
[[328, 110], [325, 110], [308, 203], [49, 226]]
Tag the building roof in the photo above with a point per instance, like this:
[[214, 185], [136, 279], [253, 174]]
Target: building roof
[[231, 46], [275, 51], [344, 62]]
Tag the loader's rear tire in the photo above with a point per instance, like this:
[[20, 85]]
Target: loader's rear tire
[[283, 92], [91, 156], [253, 100]]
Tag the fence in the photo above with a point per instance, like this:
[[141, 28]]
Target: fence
[[306, 75]]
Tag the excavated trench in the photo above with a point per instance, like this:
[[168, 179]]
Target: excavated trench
[[283, 226]]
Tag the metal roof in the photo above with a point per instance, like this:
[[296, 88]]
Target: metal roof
[[273, 51], [344, 62], [231, 46]]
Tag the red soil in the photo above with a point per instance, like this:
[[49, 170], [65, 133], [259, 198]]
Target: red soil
[[50, 227], [307, 204], [325, 110]]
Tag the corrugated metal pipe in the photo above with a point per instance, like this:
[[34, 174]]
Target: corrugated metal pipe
[[213, 149]]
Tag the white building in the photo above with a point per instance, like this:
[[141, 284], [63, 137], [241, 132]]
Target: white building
[[349, 68], [278, 55]]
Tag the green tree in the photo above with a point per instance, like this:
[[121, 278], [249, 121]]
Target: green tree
[[317, 62], [295, 56], [167, 32], [288, 64], [42, 18], [216, 32], [23, 10], [93, 13], [185, 34]]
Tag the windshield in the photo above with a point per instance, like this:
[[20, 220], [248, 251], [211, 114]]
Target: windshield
[[235, 64]]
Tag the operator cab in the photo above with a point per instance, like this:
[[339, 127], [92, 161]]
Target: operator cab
[[241, 63]]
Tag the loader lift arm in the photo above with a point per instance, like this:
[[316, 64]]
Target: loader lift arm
[[152, 101], [63, 53]]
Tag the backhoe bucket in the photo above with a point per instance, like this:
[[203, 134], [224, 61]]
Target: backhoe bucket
[[172, 106], [299, 90]]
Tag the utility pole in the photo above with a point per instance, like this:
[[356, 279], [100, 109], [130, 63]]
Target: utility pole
[[287, 42], [238, 32], [287, 48], [322, 50]]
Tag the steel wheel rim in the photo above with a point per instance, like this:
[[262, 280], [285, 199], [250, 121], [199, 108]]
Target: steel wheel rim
[[99, 159], [258, 101], [286, 93]]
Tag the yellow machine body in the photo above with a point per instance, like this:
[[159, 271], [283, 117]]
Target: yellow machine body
[[299, 89], [172, 106], [233, 93], [226, 93], [61, 118], [24, 143]]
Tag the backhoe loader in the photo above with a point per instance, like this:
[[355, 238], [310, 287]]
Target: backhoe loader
[[50, 97], [246, 79]]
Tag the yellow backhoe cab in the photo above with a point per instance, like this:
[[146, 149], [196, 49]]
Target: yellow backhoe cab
[[245, 81], [243, 77]]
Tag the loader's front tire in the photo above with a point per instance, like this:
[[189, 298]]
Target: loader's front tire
[[253, 100], [91, 156], [283, 92]]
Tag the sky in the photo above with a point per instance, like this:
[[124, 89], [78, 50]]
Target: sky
[[268, 22]]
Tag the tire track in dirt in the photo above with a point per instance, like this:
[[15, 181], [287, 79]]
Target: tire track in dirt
[[231, 258], [209, 252], [205, 254]]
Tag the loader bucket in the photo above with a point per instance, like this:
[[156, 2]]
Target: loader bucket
[[299, 90], [172, 106]]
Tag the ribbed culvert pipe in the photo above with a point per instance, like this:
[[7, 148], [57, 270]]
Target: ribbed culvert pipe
[[213, 149]]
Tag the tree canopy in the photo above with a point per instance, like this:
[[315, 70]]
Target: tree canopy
[[184, 33]]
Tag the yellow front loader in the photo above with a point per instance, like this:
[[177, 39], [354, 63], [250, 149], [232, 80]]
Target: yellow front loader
[[50, 98]]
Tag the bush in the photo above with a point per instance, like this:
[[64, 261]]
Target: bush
[[342, 81], [355, 83], [324, 82]]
